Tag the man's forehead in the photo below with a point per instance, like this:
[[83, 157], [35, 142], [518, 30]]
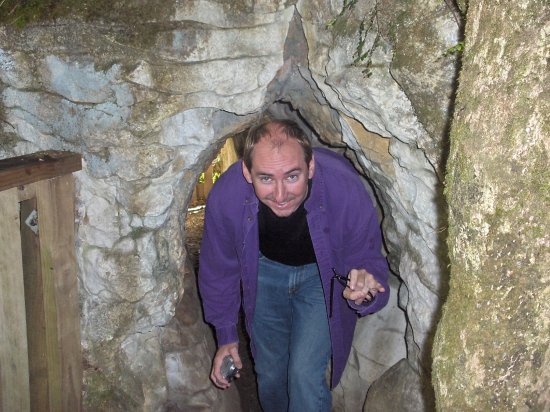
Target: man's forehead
[[277, 142], [293, 171], [272, 151]]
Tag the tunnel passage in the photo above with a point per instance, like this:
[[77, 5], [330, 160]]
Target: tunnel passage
[[194, 225], [391, 339]]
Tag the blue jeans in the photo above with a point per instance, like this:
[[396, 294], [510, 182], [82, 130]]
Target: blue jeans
[[292, 339]]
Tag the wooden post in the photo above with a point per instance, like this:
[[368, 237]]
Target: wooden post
[[14, 366], [208, 181], [40, 358]]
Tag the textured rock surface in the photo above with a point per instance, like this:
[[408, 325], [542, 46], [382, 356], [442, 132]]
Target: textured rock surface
[[400, 389], [391, 145], [148, 102], [491, 350]]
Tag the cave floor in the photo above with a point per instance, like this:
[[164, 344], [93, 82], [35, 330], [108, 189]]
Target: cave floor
[[246, 384]]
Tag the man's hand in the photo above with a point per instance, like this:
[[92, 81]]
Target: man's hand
[[215, 375], [362, 285]]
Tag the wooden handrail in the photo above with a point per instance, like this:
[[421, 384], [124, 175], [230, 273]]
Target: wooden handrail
[[23, 170]]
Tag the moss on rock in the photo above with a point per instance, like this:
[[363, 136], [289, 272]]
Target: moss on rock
[[491, 348]]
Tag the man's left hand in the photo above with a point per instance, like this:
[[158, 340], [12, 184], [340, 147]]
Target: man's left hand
[[362, 285]]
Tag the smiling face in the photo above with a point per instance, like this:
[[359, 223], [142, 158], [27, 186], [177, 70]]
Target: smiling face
[[279, 173]]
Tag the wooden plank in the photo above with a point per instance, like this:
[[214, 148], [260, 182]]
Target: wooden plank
[[14, 368], [26, 192], [28, 169], [208, 180], [35, 315], [57, 245]]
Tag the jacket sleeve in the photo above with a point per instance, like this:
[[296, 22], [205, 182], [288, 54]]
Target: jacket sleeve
[[365, 248], [219, 272]]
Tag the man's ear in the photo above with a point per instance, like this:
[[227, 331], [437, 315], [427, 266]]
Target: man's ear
[[246, 173], [311, 167]]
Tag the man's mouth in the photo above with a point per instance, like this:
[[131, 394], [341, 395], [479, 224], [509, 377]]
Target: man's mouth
[[281, 205]]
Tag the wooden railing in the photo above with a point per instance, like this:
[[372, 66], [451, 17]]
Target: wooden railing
[[40, 356]]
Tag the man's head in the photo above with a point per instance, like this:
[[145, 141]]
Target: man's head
[[278, 161], [284, 127]]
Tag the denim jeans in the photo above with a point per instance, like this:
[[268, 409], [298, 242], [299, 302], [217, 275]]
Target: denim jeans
[[292, 339]]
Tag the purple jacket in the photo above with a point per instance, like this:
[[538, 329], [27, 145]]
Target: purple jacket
[[344, 229]]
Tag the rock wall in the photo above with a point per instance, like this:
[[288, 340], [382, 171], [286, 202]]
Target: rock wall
[[491, 350], [148, 100]]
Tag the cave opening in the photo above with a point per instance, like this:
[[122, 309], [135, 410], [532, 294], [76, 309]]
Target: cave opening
[[214, 165], [229, 153]]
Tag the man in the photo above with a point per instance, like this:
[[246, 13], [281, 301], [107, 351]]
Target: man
[[278, 225]]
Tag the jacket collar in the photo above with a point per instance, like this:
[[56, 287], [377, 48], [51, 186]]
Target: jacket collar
[[315, 200], [250, 198]]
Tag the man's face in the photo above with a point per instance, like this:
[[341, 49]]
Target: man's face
[[279, 173]]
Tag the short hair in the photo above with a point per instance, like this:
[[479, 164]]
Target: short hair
[[289, 128]]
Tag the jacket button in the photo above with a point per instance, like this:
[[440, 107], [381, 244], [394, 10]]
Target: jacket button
[[250, 218]]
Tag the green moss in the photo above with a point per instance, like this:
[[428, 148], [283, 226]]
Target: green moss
[[102, 392], [8, 141], [393, 25], [463, 6], [98, 390], [104, 154], [138, 232], [19, 13], [346, 24], [338, 23]]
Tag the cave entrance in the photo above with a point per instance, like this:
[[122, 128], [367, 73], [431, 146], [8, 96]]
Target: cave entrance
[[194, 220], [194, 224], [372, 354]]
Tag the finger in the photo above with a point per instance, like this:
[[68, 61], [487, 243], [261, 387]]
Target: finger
[[348, 293], [373, 285], [236, 358], [221, 383], [376, 288], [358, 295], [353, 277], [351, 282], [217, 381], [216, 376]]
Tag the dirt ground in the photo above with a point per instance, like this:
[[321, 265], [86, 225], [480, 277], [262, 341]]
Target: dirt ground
[[194, 224], [246, 385]]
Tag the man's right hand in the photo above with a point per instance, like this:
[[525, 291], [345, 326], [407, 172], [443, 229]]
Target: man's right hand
[[229, 349]]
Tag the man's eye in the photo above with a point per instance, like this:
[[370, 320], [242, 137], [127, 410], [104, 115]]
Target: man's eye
[[292, 178], [265, 179]]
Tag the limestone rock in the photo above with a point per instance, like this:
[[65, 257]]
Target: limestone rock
[[148, 94], [400, 388], [491, 349]]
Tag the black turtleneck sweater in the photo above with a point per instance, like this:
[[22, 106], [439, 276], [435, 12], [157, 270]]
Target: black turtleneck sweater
[[286, 239]]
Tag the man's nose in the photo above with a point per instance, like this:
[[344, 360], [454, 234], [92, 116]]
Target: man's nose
[[280, 192]]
